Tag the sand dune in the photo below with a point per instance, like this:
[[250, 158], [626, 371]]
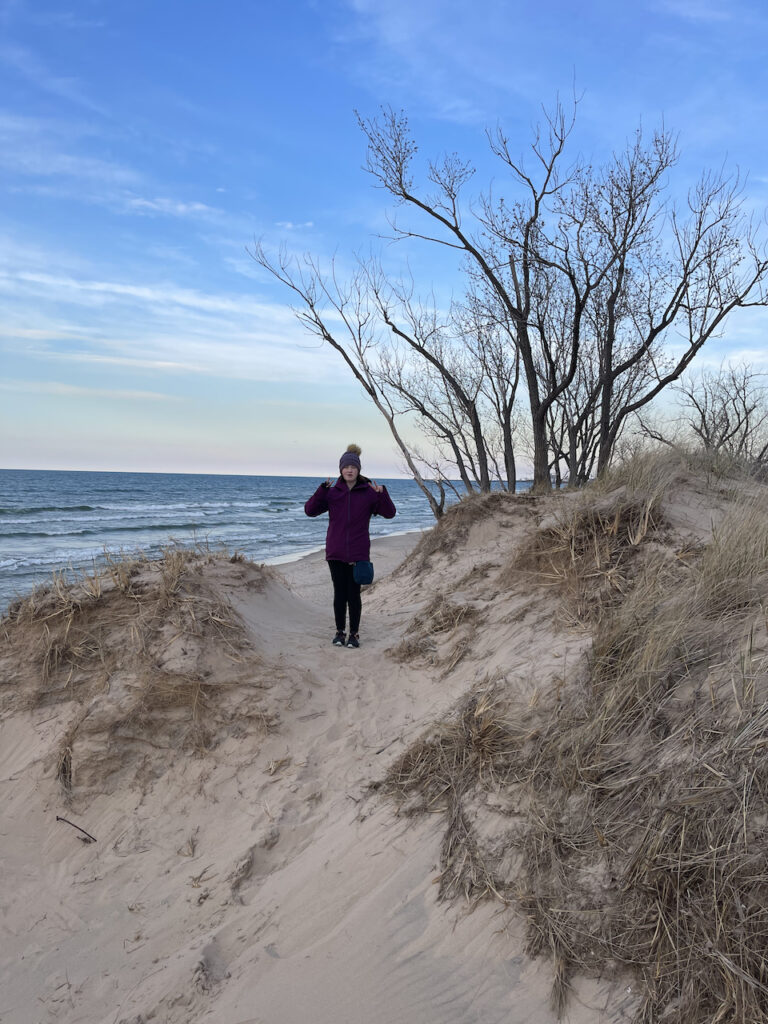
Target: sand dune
[[248, 864]]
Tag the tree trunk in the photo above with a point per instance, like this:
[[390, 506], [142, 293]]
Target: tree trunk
[[541, 479]]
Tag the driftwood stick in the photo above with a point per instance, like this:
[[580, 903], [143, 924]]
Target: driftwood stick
[[90, 839]]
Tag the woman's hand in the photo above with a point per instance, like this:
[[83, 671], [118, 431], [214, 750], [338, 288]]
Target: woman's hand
[[377, 487]]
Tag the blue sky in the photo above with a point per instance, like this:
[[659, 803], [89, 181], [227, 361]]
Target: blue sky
[[145, 145]]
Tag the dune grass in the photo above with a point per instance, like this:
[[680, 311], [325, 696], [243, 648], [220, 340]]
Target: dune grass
[[441, 622], [157, 625], [587, 550], [635, 832]]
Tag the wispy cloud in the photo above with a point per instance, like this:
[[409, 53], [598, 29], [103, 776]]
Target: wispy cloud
[[289, 225], [129, 362], [44, 157], [159, 328], [33, 69], [45, 147], [20, 12], [53, 387], [706, 11], [173, 207], [62, 19], [411, 49], [83, 291]]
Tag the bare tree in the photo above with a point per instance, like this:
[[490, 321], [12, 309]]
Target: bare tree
[[492, 350], [576, 418], [726, 411], [574, 236], [449, 371], [429, 366], [324, 303], [574, 287]]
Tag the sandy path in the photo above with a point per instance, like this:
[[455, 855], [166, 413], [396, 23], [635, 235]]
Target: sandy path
[[261, 883]]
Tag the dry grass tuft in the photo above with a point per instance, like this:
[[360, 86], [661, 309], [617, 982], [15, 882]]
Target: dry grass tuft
[[437, 772], [732, 572], [588, 551], [163, 694], [651, 473], [152, 649], [633, 834], [173, 566], [660, 469], [122, 570], [64, 768], [440, 622]]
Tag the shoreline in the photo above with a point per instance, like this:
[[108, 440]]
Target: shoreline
[[67, 523], [297, 567]]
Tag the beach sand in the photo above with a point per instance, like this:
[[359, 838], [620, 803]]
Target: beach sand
[[227, 759]]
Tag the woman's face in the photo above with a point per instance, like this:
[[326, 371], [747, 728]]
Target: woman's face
[[350, 474]]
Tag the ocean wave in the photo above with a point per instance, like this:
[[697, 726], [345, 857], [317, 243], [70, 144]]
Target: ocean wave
[[77, 559], [103, 520], [94, 530], [87, 520], [166, 528], [135, 509], [32, 509], [66, 520], [59, 562]]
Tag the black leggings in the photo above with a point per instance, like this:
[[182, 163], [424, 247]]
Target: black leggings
[[345, 592]]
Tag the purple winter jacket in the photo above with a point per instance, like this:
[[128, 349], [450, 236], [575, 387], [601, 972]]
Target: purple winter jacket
[[349, 512]]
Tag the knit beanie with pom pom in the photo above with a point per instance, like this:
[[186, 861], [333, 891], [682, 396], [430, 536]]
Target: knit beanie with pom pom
[[351, 457]]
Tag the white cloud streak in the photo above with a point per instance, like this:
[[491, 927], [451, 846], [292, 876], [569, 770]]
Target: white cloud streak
[[706, 11], [41, 158], [413, 50], [289, 225], [70, 289], [159, 328], [30, 67], [43, 148], [59, 388], [173, 208]]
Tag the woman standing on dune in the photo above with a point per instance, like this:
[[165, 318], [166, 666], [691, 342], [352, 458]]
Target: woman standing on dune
[[350, 502]]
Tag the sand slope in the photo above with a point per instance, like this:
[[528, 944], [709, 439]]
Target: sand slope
[[243, 869]]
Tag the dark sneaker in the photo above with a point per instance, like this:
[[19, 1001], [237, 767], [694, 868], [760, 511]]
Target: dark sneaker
[[354, 640], [340, 639]]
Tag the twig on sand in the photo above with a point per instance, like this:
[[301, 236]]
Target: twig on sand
[[86, 836]]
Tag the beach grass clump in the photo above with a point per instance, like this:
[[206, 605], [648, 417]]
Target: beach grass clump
[[650, 473], [441, 622], [173, 566], [122, 570], [179, 705], [587, 550], [152, 650], [633, 836], [436, 773], [661, 468], [733, 571]]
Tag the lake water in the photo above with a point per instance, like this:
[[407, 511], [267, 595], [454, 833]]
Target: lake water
[[55, 519]]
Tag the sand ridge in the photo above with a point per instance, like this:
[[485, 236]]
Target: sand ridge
[[246, 868]]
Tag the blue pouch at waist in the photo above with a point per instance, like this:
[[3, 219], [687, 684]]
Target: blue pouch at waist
[[363, 573]]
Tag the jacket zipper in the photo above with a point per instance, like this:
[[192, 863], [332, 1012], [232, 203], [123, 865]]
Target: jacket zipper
[[349, 517]]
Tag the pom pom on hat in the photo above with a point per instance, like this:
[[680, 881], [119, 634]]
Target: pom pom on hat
[[351, 457]]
